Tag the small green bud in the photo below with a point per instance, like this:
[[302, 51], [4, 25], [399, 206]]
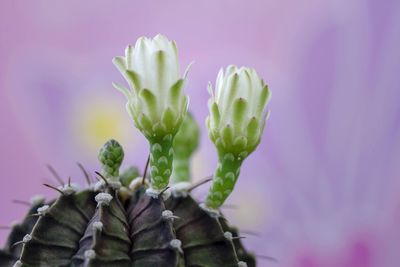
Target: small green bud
[[110, 157]]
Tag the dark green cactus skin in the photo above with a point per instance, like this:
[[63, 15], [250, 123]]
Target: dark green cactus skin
[[133, 234], [6, 259], [20, 230], [10, 253], [111, 243], [202, 236], [241, 252], [151, 234], [56, 235]]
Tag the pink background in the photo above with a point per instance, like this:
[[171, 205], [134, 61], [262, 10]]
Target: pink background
[[323, 187]]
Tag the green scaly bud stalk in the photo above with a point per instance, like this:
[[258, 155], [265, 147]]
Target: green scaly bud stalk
[[235, 125], [185, 144], [224, 180], [111, 156], [161, 157], [156, 101]]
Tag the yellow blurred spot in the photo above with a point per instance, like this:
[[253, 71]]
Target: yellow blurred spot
[[100, 125], [98, 120]]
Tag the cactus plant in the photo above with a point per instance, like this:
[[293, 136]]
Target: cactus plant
[[127, 219]]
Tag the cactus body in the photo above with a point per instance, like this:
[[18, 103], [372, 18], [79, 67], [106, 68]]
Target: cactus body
[[100, 228]]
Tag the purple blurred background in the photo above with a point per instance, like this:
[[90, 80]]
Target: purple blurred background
[[322, 189]]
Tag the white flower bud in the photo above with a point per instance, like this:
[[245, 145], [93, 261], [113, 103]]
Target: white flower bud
[[156, 101], [235, 125], [237, 110]]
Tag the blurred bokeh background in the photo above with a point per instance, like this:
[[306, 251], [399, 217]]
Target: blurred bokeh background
[[323, 188]]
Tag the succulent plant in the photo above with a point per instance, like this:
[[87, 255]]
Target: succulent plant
[[128, 219]]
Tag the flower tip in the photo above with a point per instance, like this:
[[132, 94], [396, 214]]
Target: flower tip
[[186, 106], [160, 36], [187, 70], [129, 52], [117, 60], [122, 89], [129, 48], [267, 88], [210, 89], [268, 114], [242, 69], [141, 42]]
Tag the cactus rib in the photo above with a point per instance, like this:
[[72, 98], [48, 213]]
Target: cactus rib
[[150, 233], [56, 234], [202, 237]]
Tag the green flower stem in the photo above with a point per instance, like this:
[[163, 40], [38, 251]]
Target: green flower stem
[[181, 170], [224, 180], [161, 158]]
